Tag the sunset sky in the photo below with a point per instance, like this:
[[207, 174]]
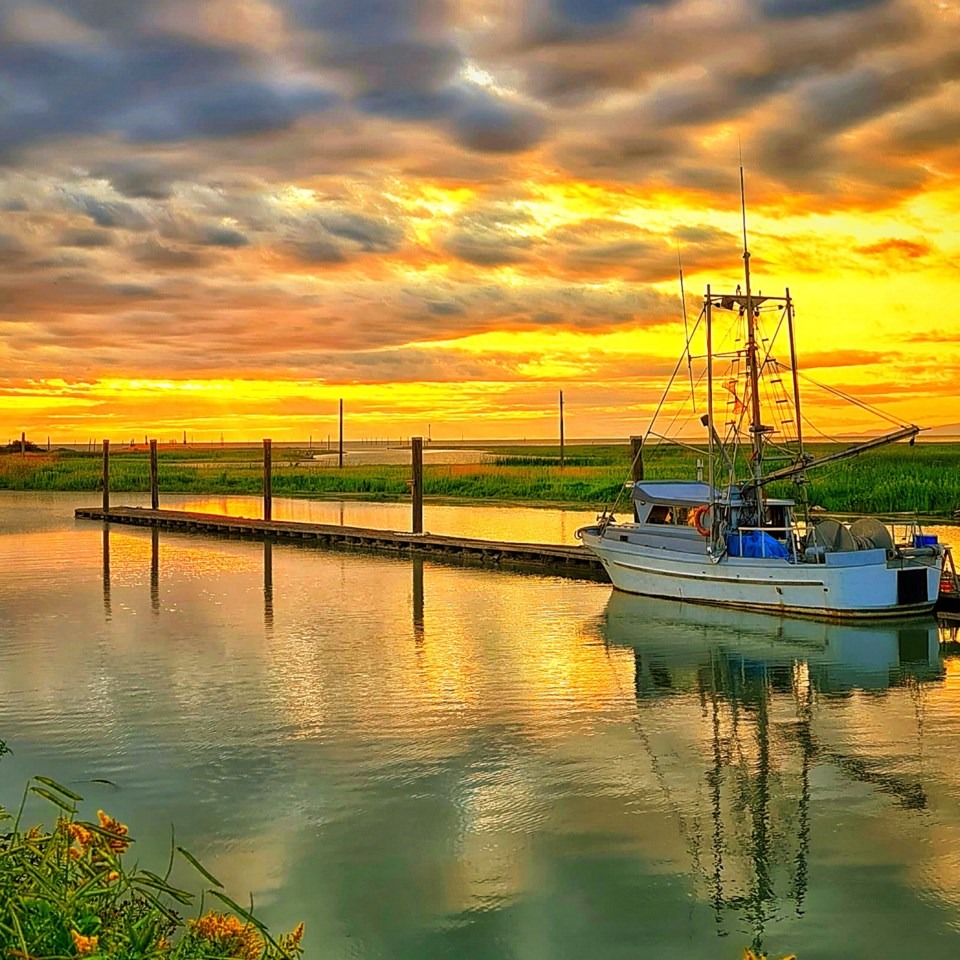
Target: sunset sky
[[221, 216]]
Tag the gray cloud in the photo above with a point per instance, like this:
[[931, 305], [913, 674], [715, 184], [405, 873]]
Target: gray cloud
[[219, 236], [139, 177], [601, 12], [154, 253], [790, 9], [144, 87], [316, 252], [488, 236], [108, 213], [83, 237], [11, 249]]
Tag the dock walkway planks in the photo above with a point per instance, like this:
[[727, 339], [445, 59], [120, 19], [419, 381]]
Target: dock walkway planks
[[554, 558]]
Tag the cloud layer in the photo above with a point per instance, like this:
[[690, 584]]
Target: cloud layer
[[387, 191]]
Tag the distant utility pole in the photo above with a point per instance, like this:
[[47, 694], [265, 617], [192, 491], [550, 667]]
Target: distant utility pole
[[561, 429], [340, 458]]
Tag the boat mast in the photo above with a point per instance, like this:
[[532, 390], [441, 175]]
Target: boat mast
[[756, 428]]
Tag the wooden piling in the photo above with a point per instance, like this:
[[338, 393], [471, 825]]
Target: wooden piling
[[561, 429], [105, 475], [340, 458], [23, 444], [416, 457], [636, 458], [154, 477], [267, 480]]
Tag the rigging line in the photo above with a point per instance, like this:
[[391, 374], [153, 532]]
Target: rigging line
[[673, 377], [776, 398], [680, 408], [816, 429], [844, 396]]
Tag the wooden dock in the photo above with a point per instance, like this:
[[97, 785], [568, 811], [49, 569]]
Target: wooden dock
[[545, 557], [552, 558]]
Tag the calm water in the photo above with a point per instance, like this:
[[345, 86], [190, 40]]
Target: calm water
[[427, 761]]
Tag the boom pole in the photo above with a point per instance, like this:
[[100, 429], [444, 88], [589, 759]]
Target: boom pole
[[903, 433]]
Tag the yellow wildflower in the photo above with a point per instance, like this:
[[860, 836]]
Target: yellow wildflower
[[225, 930], [290, 942], [114, 826], [80, 834], [112, 875], [33, 833], [85, 945]]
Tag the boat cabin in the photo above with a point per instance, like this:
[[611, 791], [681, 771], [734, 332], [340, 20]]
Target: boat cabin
[[667, 507]]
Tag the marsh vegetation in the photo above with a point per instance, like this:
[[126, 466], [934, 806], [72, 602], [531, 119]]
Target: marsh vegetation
[[923, 479]]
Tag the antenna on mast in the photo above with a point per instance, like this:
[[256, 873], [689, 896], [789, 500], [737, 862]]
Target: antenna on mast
[[743, 213], [753, 369]]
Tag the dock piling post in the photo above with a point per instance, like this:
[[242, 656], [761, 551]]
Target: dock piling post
[[636, 458], [267, 480], [340, 460], [154, 478], [416, 457], [561, 429], [105, 475], [23, 444]]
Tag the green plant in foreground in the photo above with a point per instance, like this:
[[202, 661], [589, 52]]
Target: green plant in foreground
[[67, 892]]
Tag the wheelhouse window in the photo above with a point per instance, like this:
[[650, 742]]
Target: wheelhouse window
[[659, 513]]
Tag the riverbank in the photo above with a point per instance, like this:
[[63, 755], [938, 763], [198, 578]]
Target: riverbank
[[923, 479]]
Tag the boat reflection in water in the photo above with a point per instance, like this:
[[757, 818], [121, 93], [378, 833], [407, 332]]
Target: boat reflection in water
[[734, 712]]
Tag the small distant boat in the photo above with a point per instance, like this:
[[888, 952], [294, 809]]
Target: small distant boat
[[723, 539]]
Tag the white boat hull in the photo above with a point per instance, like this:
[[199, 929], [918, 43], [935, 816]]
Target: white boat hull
[[848, 585]]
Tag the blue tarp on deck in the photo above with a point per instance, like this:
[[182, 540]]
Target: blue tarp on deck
[[755, 543]]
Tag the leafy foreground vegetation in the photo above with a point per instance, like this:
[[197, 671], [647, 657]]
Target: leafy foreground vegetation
[[67, 892], [924, 478]]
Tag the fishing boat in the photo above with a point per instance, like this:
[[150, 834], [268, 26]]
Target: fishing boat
[[722, 538]]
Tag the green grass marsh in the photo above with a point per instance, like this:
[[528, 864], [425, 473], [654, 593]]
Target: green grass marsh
[[923, 478]]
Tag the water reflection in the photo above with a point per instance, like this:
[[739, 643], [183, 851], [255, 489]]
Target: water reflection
[[416, 565], [107, 611], [547, 771], [155, 571], [268, 586], [759, 682]]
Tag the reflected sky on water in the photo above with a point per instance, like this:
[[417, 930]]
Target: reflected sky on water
[[424, 760]]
